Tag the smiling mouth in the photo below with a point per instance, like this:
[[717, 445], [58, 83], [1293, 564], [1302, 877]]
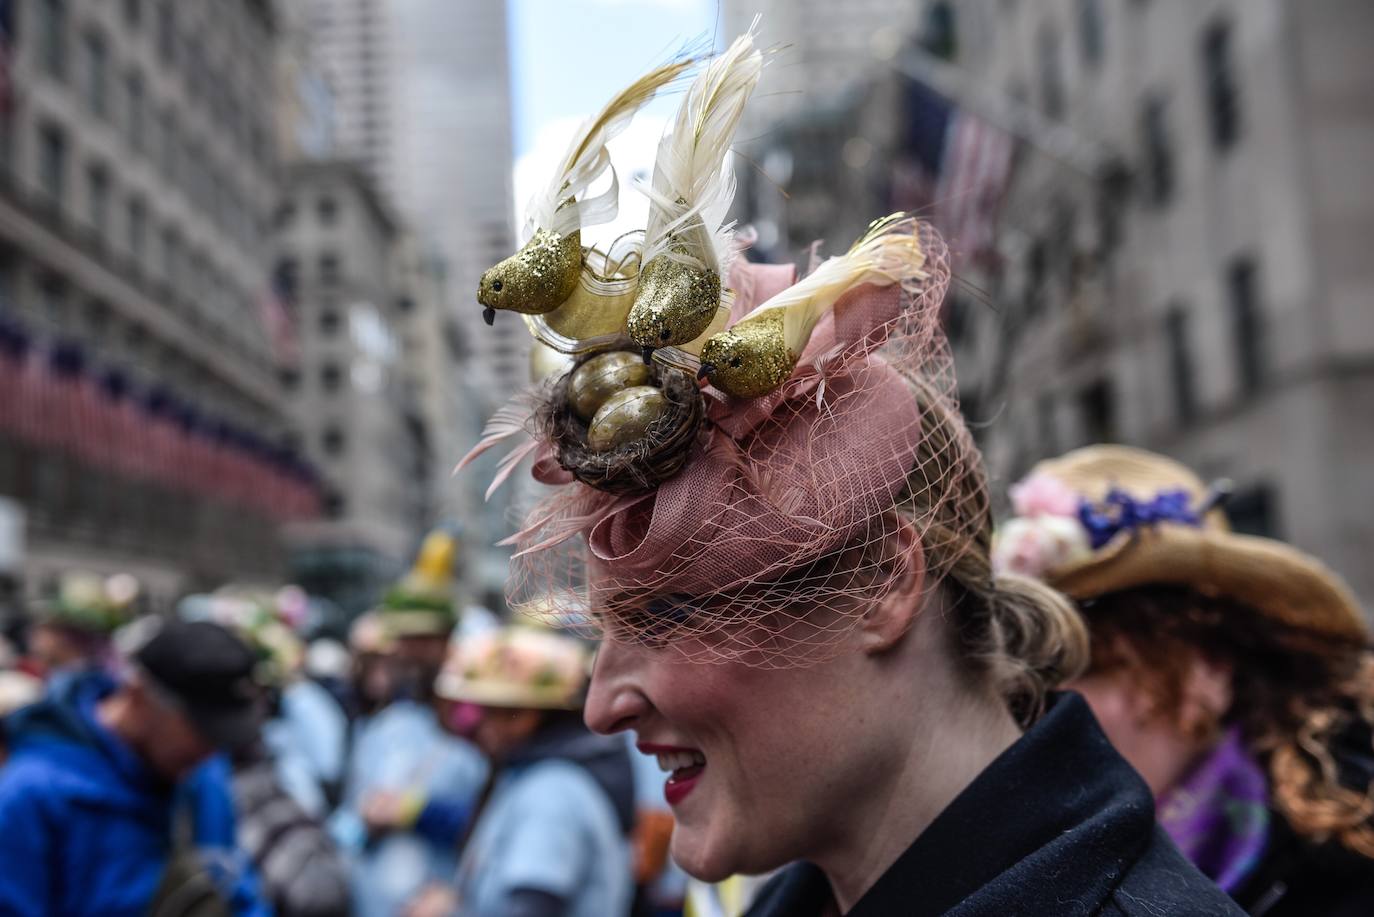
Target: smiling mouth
[[684, 767]]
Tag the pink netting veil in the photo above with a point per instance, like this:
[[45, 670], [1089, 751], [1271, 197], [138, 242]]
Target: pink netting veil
[[784, 524]]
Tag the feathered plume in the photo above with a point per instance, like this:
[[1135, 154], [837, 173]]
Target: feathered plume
[[544, 273], [687, 243], [587, 159], [758, 353]]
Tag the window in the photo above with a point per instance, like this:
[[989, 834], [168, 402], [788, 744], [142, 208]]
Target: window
[[285, 215], [328, 210], [329, 268], [98, 199], [286, 277], [1247, 323], [330, 377], [166, 32], [1253, 511], [97, 61], [329, 320], [1090, 31], [1097, 406], [52, 36], [1159, 155], [939, 33], [170, 145], [133, 13], [334, 505], [333, 441], [1177, 337], [404, 304], [1051, 77], [290, 378], [1223, 96], [138, 230], [52, 163], [134, 114], [171, 257]]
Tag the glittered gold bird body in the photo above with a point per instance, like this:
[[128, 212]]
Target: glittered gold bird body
[[756, 355], [537, 279], [687, 243], [544, 274]]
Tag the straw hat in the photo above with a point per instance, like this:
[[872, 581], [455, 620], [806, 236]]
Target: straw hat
[[518, 666], [1143, 519]]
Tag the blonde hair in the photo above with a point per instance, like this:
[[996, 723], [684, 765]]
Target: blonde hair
[[1019, 635]]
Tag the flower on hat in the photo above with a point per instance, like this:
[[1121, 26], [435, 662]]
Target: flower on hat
[[1033, 546], [1044, 495]]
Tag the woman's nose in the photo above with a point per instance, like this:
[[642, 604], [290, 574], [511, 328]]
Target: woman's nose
[[615, 699]]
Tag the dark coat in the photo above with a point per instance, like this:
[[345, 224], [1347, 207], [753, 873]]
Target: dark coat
[[1300, 879], [1058, 826]]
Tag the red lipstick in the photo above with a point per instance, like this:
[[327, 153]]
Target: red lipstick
[[680, 782]]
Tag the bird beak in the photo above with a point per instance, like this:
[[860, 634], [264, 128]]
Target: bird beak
[[648, 354], [489, 315], [706, 372]]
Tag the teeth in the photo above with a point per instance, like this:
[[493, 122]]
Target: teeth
[[677, 760]]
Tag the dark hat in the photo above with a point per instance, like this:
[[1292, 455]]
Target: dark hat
[[208, 672]]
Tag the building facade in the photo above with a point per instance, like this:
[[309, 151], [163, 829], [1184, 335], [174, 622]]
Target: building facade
[[355, 403], [1177, 262], [136, 187]]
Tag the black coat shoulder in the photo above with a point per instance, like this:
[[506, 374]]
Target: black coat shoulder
[[1162, 882], [1058, 826]]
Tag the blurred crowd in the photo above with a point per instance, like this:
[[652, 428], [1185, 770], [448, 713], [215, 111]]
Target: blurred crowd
[[220, 761]]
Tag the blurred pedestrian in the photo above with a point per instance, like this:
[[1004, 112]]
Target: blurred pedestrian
[[1234, 672], [401, 755], [305, 728], [551, 835], [71, 631], [88, 797], [242, 796]]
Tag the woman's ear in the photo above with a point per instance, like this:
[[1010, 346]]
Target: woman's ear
[[902, 561]]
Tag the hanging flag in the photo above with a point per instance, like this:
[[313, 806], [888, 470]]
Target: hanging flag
[[957, 166], [278, 306]]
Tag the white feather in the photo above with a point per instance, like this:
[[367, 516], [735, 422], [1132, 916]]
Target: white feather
[[587, 159], [693, 187], [889, 252]]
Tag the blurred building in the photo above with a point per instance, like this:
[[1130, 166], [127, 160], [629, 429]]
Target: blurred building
[[136, 186], [351, 41], [354, 396], [306, 110], [1178, 255], [454, 156]]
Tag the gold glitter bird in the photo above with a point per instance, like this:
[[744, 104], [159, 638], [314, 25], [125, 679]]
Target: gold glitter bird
[[544, 273], [758, 353], [687, 242]]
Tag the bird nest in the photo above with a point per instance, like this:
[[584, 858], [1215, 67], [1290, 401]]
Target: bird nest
[[638, 466]]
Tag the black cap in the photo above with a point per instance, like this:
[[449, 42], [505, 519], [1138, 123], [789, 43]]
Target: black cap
[[209, 672]]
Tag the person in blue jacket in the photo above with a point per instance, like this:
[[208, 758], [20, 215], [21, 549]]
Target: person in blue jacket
[[551, 836], [402, 759], [88, 798]]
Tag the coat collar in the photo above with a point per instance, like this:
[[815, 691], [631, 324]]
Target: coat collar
[[1059, 812]]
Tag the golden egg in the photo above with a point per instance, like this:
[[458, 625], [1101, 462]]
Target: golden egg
[[601, 377], [625, 417]]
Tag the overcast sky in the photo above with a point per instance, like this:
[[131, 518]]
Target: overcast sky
[[568, 57]]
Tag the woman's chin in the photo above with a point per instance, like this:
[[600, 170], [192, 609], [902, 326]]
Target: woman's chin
[[700, 858]]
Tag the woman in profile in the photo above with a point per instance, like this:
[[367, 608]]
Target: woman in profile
[[1233, 672], [803, 624]]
